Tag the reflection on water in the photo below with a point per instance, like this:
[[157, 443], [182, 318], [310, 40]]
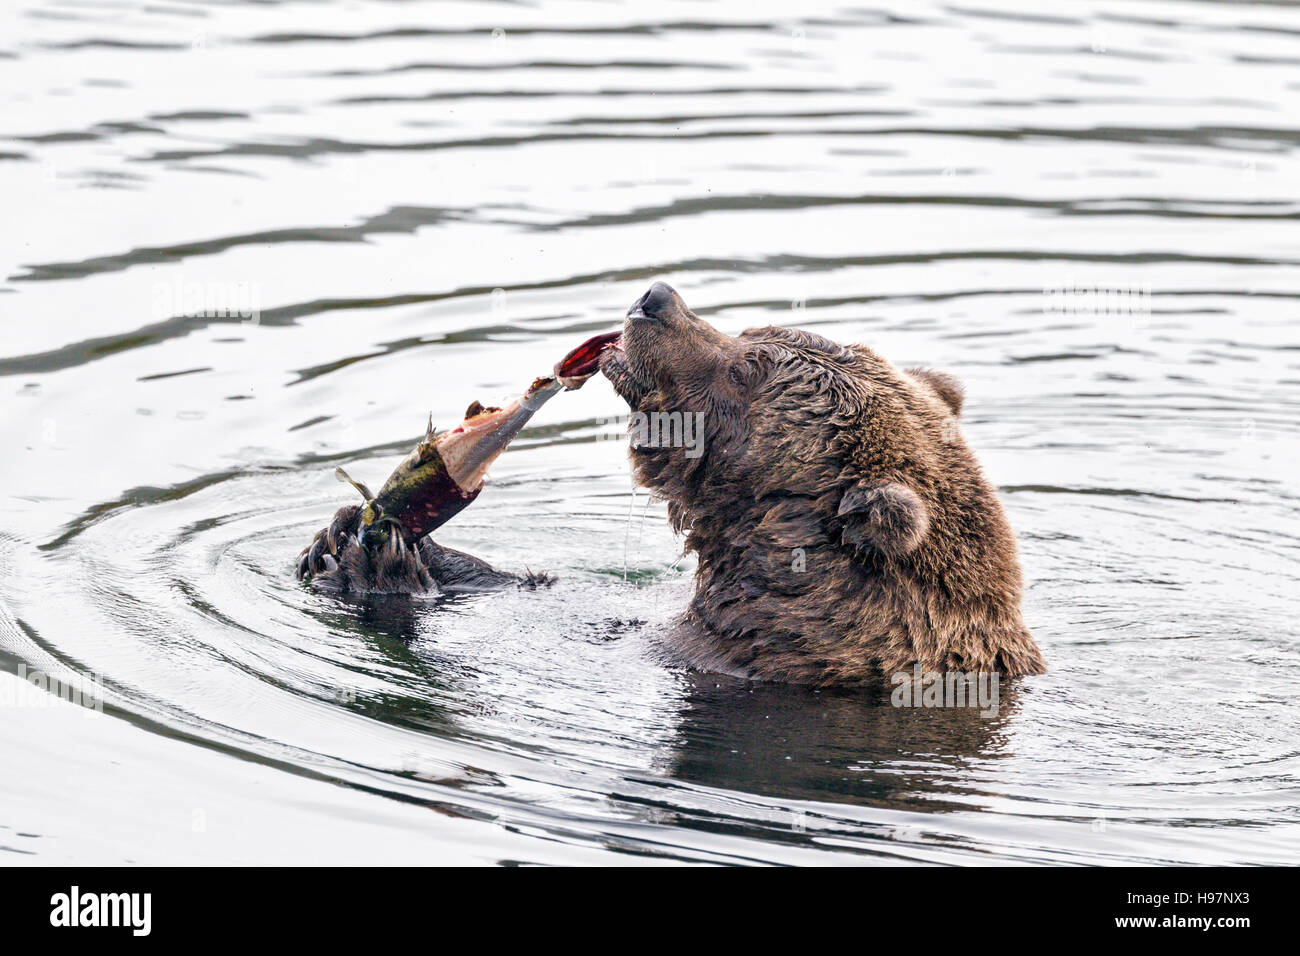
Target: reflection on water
[[823, 745], [256, 241]]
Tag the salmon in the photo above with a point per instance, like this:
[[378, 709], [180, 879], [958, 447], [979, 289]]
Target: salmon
[[445, 472]]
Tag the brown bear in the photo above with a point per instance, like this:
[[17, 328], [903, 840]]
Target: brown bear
[[843, 529]]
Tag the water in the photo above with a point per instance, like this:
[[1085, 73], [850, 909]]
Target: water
[[430, 203]]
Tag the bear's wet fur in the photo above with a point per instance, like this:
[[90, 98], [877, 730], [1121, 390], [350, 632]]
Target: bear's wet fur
[[843, 528]]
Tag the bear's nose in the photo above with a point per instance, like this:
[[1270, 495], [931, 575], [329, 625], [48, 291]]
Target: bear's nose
[[653, 304]]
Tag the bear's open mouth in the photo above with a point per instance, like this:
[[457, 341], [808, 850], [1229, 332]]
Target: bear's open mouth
[[630, 382]]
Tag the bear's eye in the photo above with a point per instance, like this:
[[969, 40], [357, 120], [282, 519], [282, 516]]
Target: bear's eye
[[737, 376]]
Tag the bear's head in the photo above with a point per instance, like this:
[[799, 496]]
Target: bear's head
[[840, 520]]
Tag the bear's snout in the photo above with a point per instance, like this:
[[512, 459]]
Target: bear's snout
[[656, 304]]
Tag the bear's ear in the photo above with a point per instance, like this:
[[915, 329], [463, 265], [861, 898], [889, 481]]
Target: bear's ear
[[889, 517], [947, 387]]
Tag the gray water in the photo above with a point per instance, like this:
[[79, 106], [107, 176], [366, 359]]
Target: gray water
[[418, 204]]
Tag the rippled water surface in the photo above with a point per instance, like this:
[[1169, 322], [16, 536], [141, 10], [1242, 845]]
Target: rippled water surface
[[431, 202]]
